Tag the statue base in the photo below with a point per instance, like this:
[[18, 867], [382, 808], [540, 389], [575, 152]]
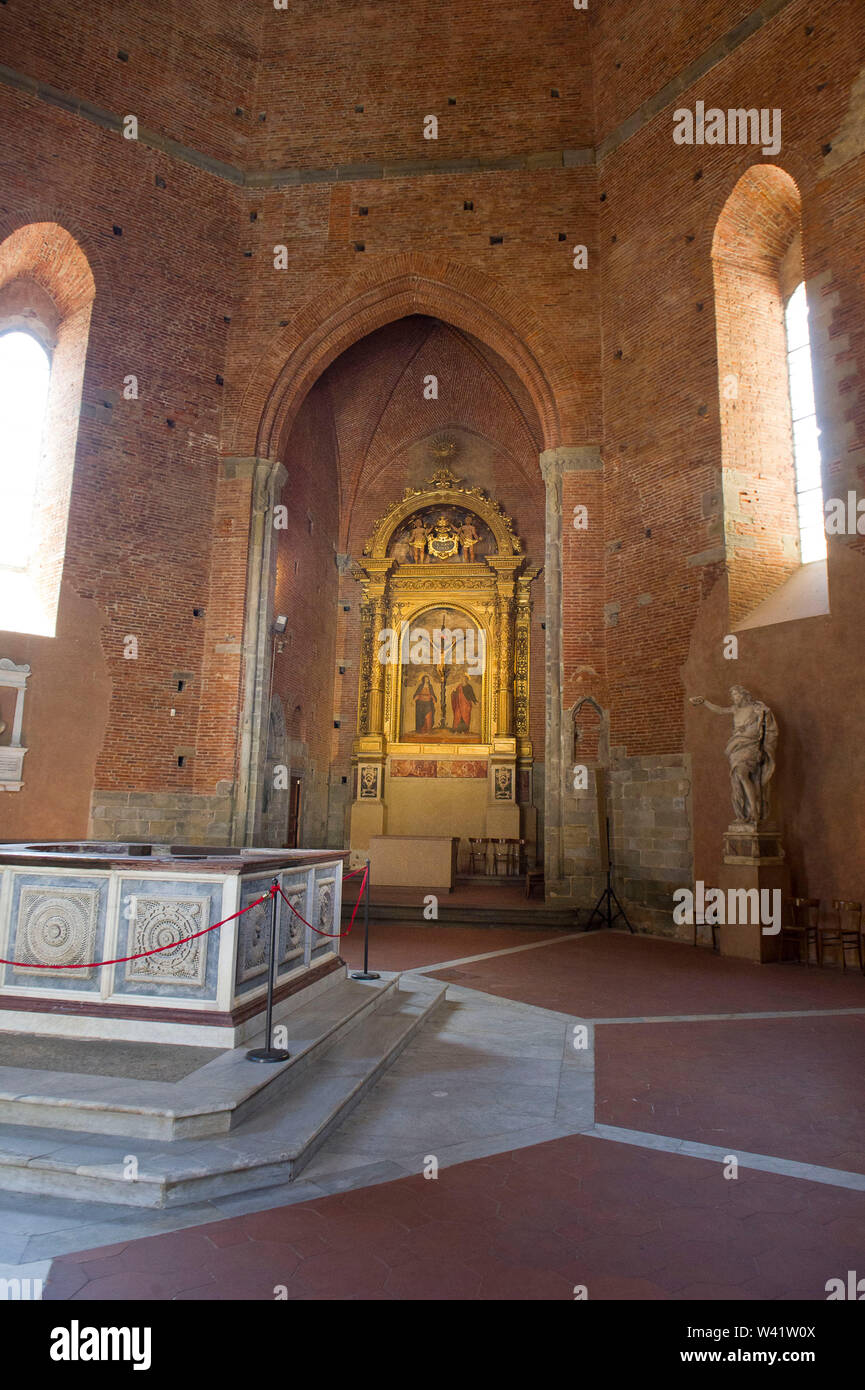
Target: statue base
[[753, 859], [746, 844]]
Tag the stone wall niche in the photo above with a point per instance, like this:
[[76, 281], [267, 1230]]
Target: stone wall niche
[[12, 752]]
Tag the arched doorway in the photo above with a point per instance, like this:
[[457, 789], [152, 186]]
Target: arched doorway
[[286, 414], [373, 428]]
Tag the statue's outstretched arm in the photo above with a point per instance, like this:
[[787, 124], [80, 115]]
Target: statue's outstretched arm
[[716, 709]]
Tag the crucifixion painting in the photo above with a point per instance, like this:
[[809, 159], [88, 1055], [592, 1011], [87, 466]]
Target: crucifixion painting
[[443, 679]]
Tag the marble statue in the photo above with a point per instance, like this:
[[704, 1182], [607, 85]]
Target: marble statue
[[751, 754]]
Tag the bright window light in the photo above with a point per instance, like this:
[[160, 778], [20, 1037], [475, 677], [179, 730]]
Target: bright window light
[[24, 372], [806, 436]]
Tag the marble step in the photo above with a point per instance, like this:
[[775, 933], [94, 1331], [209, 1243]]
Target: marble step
[[535, 917], [212, 1100], [267, 1148]]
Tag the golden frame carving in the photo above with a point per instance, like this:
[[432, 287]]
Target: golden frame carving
[[446, 489], [492, 593]]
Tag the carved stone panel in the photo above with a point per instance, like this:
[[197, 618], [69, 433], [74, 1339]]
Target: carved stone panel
[[292, 932], [57, 927], [324, 916], [253, 943], [157, 921], [324, 905]]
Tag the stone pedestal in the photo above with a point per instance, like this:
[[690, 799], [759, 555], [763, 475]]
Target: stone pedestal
[[367, 819], [749, 846], [753, 860]]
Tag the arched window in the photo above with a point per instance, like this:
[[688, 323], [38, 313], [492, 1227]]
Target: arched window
[[46, 296], [25, 369], [769, 491], [806, 447]]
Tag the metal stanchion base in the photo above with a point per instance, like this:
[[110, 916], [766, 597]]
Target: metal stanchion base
[[364, 975], [268, 1054]]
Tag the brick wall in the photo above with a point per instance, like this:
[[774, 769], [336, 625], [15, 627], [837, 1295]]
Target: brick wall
[[184, 70], [321, 59], [639, 47]]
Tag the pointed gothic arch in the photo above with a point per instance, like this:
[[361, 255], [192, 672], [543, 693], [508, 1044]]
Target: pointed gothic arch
[[409, 283]]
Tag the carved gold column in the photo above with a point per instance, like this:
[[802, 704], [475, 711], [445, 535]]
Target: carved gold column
[[366, 657], [368, 813], [377, 667], [522, 724], [522, 626], [505, 569], [378, 605], [505, 686]]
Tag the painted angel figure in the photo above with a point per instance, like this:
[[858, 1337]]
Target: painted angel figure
[[750, 752]]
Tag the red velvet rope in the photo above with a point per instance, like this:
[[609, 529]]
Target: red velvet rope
[[353, 915]]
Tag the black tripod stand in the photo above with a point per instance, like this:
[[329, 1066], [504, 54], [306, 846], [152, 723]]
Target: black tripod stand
[[603, 908]]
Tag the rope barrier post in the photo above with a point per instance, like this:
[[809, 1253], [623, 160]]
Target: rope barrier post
[[366, 973], [268, 1053]]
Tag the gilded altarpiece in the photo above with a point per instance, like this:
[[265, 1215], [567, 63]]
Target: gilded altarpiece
[[442, 744]]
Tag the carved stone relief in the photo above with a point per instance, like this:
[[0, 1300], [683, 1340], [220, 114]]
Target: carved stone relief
[[57, 927], [158, 922]]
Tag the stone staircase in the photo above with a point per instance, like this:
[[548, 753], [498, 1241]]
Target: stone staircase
[[230, 1126]]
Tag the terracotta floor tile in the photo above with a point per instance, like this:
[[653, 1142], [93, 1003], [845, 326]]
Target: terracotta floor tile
[[155, 1254], [432, 1279], [628, 1221], [344, 1272], [132, 1287]]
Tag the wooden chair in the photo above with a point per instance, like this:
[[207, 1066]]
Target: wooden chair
[[515, 857], [534, 876], [802, 927], [844, 931], [501, 854], [477, 856]]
